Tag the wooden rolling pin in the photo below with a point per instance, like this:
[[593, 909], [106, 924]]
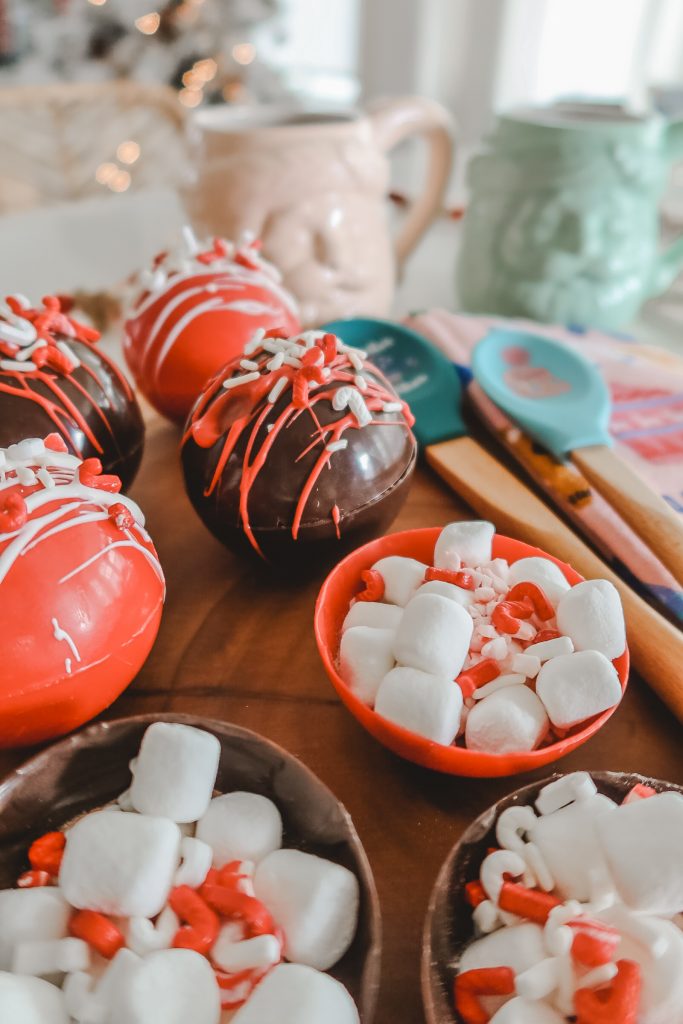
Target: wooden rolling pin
[[494, 493]]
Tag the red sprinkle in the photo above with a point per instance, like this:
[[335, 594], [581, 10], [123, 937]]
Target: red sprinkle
[[374, 586], [13, 512], [276, 332], [538, 597], [594, 943], [528, 903], [121, 516], [45, 853], [546, 634], [639, 792], [328, 343], [483, 981], [478, 675], [200, 926], [475, 893], [615, 1003], [458, 578], [55, 443], [98, 931], [8, 349], [90, 475], [33, 879]]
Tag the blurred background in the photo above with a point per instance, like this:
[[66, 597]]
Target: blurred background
[[68, 139]]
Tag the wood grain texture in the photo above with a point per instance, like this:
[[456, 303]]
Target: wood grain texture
[[656, 645], [236, 646], [643, 509]]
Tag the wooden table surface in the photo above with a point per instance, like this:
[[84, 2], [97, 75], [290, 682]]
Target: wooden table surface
[[236, 646]]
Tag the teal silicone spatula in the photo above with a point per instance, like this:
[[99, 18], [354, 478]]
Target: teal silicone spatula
[[428, 381], [559, 398]]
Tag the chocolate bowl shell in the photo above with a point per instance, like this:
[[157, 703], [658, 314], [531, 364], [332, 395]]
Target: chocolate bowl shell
[[96, 392], [90, 768], [448, 925]]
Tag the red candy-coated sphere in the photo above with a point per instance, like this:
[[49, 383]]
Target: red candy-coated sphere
[[197, 313], [81, 592]]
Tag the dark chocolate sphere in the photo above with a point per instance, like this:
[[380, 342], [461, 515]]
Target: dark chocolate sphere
[[61, 383], [299, 453]]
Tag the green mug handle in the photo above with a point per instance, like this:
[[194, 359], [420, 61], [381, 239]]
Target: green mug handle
[[670, 261]]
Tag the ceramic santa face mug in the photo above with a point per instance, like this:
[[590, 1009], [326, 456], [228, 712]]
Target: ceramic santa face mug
[[313, 187]]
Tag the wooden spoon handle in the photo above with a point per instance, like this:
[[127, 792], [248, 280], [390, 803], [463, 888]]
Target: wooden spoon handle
[[643, 509], [493, 492]]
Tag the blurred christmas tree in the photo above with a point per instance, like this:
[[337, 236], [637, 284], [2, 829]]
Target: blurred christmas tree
[[210, 50]]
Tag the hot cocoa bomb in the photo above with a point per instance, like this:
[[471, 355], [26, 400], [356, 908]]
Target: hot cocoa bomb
[[197, 308], [298, 451], [54, 379]]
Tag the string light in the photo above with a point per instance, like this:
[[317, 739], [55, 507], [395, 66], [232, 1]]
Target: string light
[[244, 53], [97, 3], [128, 152], [148, 23], [105, 173], [206, 70], [190, 97], [120, 182]]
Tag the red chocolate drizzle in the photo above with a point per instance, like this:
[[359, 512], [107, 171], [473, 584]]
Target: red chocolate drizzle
[[245, 408]]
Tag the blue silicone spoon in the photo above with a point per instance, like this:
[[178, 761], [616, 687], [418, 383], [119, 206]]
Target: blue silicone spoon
[[560, 398]]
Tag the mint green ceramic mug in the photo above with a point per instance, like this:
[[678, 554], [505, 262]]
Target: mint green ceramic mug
[[562, 224]]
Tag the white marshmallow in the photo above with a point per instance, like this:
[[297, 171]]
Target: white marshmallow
[[292, 994], [241, 826], [661, 996], [365, 656], [25, 1000], [315, 903], [574, 687], [120, 864], [260, 952], [174, 986], [449, 590], [591, 614], [434, 636], [511, 719], [565, 790], [519, 947], [98, 1004], [544, 573], [402, 577], [30, 915], [51, 956], [525, 1011], [547, 649], [569, 845], [466, 543], [643, 845], [372, 613], [175, 772], [425, 704]]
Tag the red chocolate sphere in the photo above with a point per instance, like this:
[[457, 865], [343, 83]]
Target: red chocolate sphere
[[197, 311], [302, 456], [53, 378], [81, 590]]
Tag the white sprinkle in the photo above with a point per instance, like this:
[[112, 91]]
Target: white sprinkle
[[246, 378], [26, 353], [360, 382], [293, 361], [70, 355], [271, 426], [337, 446], [601, 975], [359, 408], [277, 389], [190, 240], [67, 665], [356, 359], [276, 362], [392, 406], [46, 479], [340, 399], [496, 648], [255, 343], [15, 366], [26, 476], [484, 594], [275, 345], [248, 364]]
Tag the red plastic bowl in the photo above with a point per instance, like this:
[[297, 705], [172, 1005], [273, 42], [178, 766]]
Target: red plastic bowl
[[330, 610]]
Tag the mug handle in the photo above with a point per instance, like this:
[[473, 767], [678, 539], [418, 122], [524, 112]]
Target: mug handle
[[395, 119], [670, 261]]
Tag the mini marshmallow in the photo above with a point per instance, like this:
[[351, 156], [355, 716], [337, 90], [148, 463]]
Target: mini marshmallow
[[121, 864], [591, 614], [511, 719], [569, 845], [434, 636], [525, 1011], [402, 577], [174, 986], [643, 844], [197, 858], [292, 994], [519, 947], [30, 915], [574, 687], [499, 683], [544, 573], [449, 590], [547, 649], [261, 952], [25, 1000], [315, 903], [365, 656], [374, 614], [564, 791], [466, 543], [52, 956], [498, 649], [661, 996], [175, 772], [526, 664], [241, 826], [425, 704]]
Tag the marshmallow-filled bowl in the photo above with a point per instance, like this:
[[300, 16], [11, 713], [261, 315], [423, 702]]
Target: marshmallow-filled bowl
[[469, 652], [179, 868], [562, 902]]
